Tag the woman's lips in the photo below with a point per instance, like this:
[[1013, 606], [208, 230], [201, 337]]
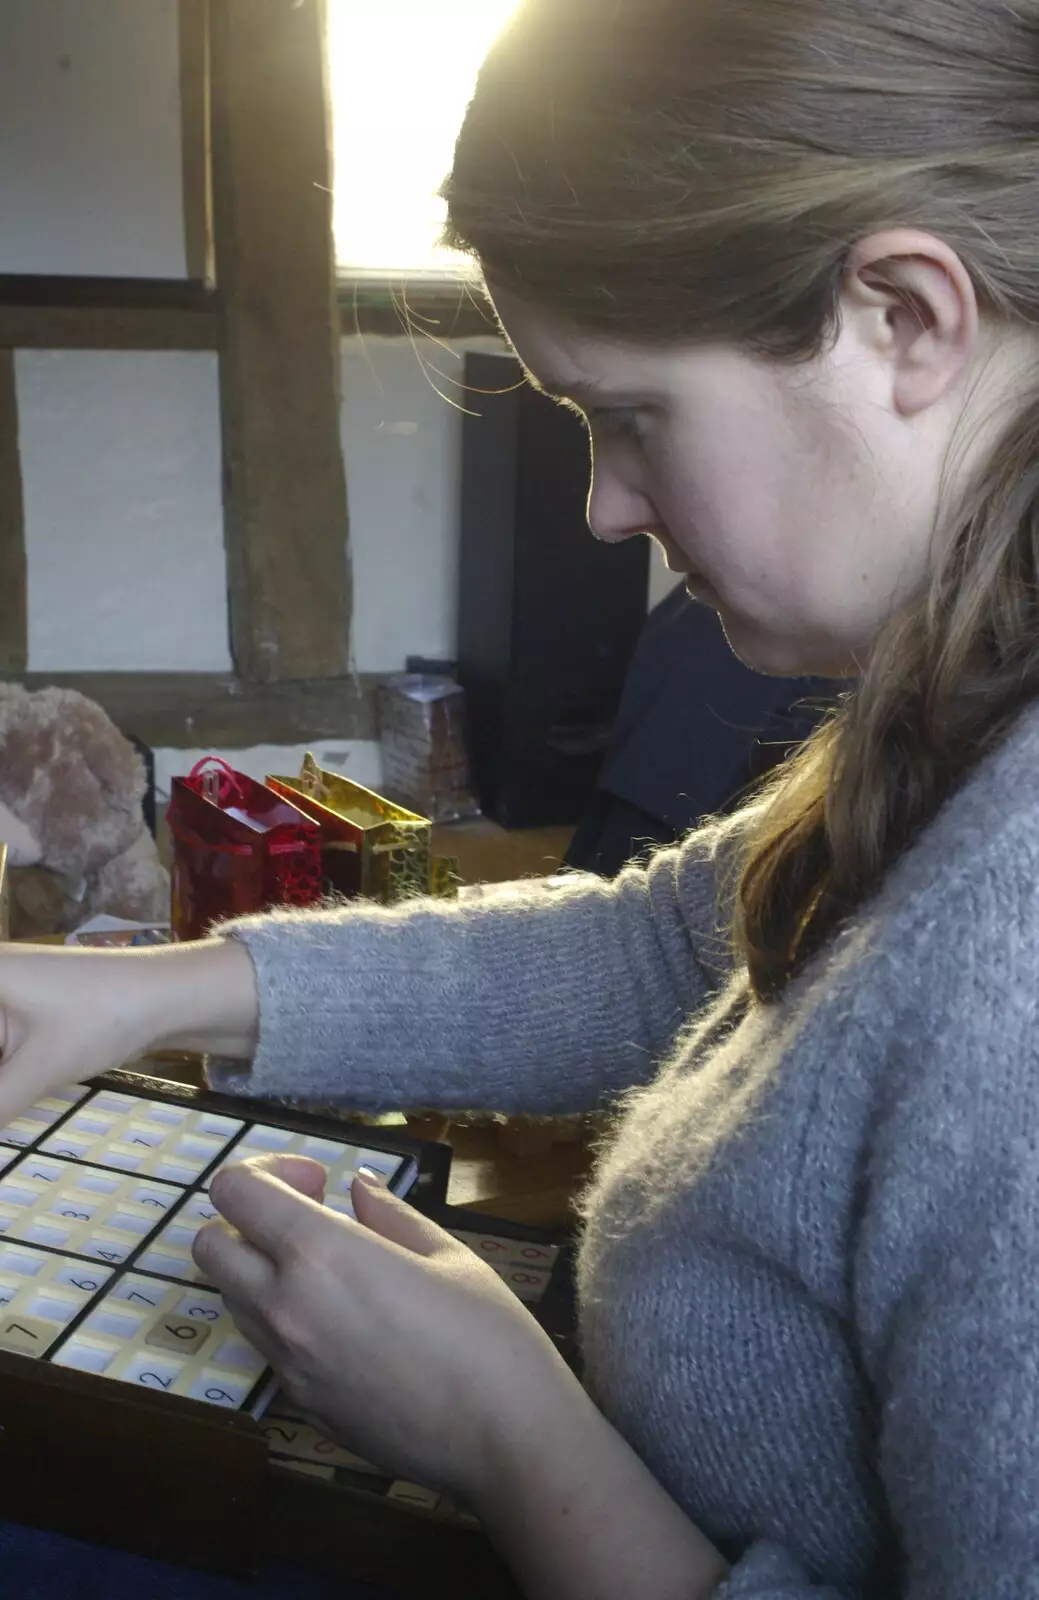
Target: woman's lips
[[695, 582]]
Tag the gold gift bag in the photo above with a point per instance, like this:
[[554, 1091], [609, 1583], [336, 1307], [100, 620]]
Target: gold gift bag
[[370, 847]]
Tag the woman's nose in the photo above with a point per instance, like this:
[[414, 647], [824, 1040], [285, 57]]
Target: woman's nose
[[616, 512]]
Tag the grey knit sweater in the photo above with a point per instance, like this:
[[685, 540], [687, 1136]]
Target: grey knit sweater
[[810, 1277]]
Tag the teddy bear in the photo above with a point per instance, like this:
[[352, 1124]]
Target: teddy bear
[[71, 792]]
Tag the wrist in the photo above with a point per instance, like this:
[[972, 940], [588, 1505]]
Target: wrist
[[200, 997], [575, 1512], [530, 1443]]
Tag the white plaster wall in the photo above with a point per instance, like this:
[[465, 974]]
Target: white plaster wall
[[124, 527], [90, 138], [124, 522], [402, 442]]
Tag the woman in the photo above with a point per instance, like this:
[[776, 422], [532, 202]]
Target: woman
[[782, 254]]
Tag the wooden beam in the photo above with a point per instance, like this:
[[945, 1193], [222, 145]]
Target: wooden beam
[[13, 566], [110, 294], [201, 710], [285, 508], [66, 313], [106, 328], [24, 327], [193, 36], [55, 313]]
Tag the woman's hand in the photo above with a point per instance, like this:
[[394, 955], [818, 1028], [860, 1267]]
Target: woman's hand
[[68, 1014], [408, 1349], [401, 1343]]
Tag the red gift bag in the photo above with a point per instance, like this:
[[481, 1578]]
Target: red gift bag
[[237, 848]]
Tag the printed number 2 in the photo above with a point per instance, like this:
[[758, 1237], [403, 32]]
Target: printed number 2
[[152, 1380]]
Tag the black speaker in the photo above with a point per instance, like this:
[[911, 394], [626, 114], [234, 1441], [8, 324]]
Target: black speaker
[[548, 617]]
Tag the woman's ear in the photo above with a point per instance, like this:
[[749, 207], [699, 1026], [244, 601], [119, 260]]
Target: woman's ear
[[917, 308]]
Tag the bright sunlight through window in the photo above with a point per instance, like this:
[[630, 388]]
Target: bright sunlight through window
[[402, 74]]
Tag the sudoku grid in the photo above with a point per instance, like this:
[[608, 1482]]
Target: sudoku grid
[[101, 1195]]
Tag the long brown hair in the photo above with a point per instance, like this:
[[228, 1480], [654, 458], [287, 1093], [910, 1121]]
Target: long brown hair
[[700, 169]]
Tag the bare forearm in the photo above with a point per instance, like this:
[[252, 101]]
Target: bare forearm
[[68, 1014], [578, 1516], [201, 997], [198, 996]]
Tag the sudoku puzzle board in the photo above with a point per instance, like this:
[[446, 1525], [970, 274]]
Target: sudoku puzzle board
[[101, 1195]]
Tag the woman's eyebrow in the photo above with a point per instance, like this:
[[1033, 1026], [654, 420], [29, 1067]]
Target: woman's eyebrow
[[578, 392], [590, 394]]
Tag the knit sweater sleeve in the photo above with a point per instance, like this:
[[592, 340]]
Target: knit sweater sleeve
[[946, 1258], [541, 996]]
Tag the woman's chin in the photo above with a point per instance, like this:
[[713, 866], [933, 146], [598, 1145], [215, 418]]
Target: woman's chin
[[769, 655]]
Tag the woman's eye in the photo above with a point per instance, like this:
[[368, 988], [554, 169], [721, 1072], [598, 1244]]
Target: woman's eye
[[616, 420]]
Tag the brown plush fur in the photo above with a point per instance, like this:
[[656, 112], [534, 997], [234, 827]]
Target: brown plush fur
[[75, 785]]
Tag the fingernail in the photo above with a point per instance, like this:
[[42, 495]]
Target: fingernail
[[368, 1176]]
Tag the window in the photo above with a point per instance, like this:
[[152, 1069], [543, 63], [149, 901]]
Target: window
[[402, 72]]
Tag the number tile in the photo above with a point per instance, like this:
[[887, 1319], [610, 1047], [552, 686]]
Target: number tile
[[26, 1335]]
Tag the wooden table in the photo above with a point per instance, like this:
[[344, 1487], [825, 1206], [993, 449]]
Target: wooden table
[[489, 854]]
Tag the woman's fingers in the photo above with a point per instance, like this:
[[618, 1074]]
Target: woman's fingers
[[271, 1215], [306, 1176], [239, 1270], [389, 1217]]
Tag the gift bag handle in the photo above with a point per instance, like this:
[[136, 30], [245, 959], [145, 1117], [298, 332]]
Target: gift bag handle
[[216, 780]]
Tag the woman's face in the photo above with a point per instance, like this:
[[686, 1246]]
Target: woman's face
[[794, 498]]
